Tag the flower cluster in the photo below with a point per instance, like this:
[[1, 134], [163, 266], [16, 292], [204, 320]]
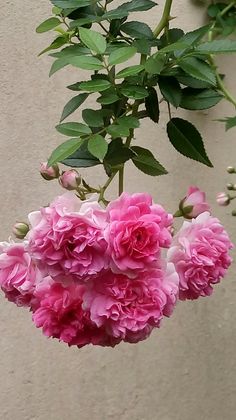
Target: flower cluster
[[100, 276]]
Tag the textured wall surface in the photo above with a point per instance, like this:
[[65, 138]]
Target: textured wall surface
[[187, 369]]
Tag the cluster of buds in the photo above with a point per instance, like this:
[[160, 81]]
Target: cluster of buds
[[70, 180], [225, 198]]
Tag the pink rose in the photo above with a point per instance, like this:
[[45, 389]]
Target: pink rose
[[136, 231], [67, 238], [194, 203], [200, 253], [18, 273], [129, 309], [58, 311]]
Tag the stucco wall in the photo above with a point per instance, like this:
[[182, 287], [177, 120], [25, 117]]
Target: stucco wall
[[187, 369]]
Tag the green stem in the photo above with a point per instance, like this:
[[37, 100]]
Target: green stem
[[164, 20], [121, 180]]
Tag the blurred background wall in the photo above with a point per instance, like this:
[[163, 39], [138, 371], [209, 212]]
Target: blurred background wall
[[187, 369]]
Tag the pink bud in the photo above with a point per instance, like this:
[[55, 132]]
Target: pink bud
[[223, 199], [70, 180], [49, 172], [20, 230], [194, 203]]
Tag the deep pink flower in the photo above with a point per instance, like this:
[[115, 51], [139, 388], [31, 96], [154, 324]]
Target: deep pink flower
[[18, 273], [58, 311], [200, 253], [67, 237], [129, 309], [136, 231], [195, 199]]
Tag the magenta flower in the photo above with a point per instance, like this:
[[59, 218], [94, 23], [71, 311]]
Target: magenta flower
[[200, 253], [136, 231], [18, 273], [58, 311], [194, 203], [129, 309], [67, 238]]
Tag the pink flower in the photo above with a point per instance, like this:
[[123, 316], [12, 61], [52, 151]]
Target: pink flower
[[200, 253], [18, 273], [223, 199], [49, 172], [136, 231], [129, 309], [59, 313], [70, 180], [194, 203], [67, 238]]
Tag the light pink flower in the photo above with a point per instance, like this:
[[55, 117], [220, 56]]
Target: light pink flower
[[58, 311], [194, 203], [67, 238], [70, 180], [200, 253], [223, 199], [18, 273], [136, 231], [129, 309]]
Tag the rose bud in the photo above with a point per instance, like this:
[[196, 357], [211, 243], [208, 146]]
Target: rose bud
[[49, 172], [223, 199], [231, 170], [193, 204], [20, 230], [70, 180]]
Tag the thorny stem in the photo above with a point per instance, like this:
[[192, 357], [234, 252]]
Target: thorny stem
[[164, 19]]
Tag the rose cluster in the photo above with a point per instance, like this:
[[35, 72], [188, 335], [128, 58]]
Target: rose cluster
[[102, 276]]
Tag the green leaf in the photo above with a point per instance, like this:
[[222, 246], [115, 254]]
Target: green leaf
[[86, 62], [218, 46], [97, 146], [195, 99], [132, 6], [64, 150], [73, 129], [118, 153], [72, 105], [134, 92], [57, 65], [118, 130], [93, 40], [191, 38], [187, 140], [171, 36], [70, 4], [92, 117], [48, 24], [108, 98], [155, 64], [171, 90], [129, 71], [71, 51], [152, 105], [120, 55], [176, 46], [129, 121], [97, 85], [138, 30], [57, 43], [146, 162], [198, 69], [81, 158], [230, 122], [190, 81]]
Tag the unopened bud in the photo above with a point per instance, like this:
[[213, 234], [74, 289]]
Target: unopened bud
[[70, 180], [233, 213], [230, 186], [20, 230], [49, 172], [223, 199], [231, 170]]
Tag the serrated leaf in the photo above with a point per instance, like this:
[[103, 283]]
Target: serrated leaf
[[171, 90], [137, 30], [121, 55], [72, 105], [117, 130], [93, 40], [118, 153], [70, 4], [218, 46], [152, 105], [92, 117], [187, 140], [81, 158], [97, 146], [146, 162], [57, 43], [155, 64], [86, 62], [107, 99], [129, 121], [64, 150], [134, 92], [47, 25], [71, 51], [196, 99], [57, 65], [129, 71], [198, 69], [73, 129], [97, 85]]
